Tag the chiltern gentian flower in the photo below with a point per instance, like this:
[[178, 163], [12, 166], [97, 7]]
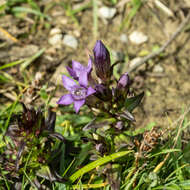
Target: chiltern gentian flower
[[78, 93], [102, 61], [77, 68]]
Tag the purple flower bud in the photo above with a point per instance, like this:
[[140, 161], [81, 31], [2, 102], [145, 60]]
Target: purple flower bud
[[122, 87], [119, 125], [123, 81], [102, 61], [100, 148]]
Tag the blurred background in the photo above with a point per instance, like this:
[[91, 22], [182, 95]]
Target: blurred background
[[39, 38]]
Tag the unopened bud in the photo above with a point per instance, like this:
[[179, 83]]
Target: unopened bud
[[102, 61], [123, 81]]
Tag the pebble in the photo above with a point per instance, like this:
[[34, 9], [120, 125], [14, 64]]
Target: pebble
[[134, 61], [158, 69], [123, 38], [55, 39], [138, 37], [55, 31], [107, 12], [70, 41]]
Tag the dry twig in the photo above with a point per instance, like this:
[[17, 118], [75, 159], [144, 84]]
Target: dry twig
[[8, 35], [154, 54]]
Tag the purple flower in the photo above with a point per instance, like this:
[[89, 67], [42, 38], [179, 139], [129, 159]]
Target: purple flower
[[77, 68], [78, 93], [102, 61], [123, 81]]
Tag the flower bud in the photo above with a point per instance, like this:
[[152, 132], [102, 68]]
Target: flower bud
[[122, 87], [119, 125], [123, 81], [102, 61]]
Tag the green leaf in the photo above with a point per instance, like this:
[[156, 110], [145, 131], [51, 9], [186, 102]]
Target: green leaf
[[165, 151], [11, 64], [136, 4], [29, 10], [96, 163], [132, 103]]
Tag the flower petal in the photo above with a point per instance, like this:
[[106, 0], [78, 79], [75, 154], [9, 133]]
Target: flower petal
[[72, 72], [78, 104], [90, 91], [89, 67], [65, 99], [76, 65], [68, 83], [83, 78]]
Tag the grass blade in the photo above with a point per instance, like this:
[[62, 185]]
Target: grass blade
[[165, 151], [96, 163], [31, 59], [29, 10], [5, 66]]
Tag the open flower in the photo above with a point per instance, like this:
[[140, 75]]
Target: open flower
[[77, 68], [102, 61], [78, 93]]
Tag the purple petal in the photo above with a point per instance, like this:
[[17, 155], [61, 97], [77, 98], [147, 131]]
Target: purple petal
[[89, 67], [65, 100], [77, 68], [83, 78], [72, 72], [68, 83], [76, 65], [90, 91], [78, 104]]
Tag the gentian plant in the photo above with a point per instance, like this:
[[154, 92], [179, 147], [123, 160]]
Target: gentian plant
[[109, 100], [29, 138], [100, 93]]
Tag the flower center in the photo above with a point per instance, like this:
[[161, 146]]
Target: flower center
[[78, 92]]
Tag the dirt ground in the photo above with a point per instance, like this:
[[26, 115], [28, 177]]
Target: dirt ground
[[166, 90]]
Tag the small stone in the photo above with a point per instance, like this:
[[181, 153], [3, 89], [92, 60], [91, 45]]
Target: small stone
[[55, 39], [187, 3], [134, 61], [70, 41], [55, 31], [158, 69], [138, 37], [123, 38], [107, 12]]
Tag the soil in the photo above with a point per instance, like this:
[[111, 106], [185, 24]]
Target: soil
[[166, 92]]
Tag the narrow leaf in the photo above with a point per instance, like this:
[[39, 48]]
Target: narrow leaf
[[165, 151], [96, 163]]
